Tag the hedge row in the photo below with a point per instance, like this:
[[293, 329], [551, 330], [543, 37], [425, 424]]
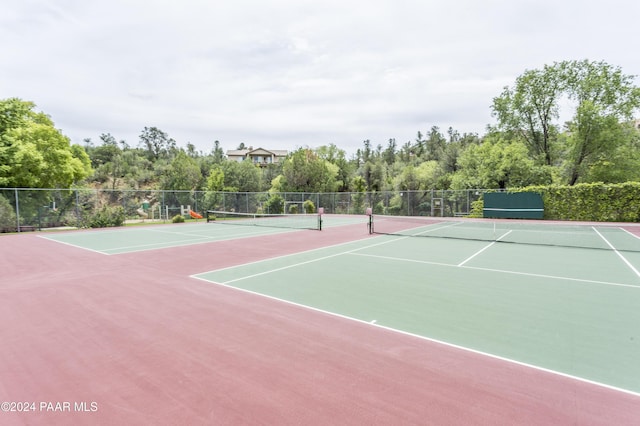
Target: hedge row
[[595, 202]]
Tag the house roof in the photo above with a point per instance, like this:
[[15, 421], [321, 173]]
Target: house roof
[[257, 151]]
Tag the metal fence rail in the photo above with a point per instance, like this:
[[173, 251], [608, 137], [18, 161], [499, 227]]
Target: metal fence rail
[[28, 208]]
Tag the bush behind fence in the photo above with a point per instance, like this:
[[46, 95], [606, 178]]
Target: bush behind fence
[[47, 208], [28, 209]]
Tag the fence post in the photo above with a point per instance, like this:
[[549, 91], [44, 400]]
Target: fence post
[[17, 209]]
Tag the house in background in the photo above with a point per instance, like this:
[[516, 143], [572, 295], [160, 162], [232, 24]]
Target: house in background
[[260, 156]]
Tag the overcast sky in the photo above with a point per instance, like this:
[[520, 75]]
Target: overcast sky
[[283, 74]]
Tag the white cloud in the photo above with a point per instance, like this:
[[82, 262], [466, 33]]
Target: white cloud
[[289, 73]]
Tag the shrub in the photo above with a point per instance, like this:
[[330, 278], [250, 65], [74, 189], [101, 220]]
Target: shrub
[[477, 208], [104, 218], [7, 214], [274, 205], [309, 207], [178, 219], [596, 202]]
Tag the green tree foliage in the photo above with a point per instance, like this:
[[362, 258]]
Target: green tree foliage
[[337, 157], [7, 214], [33, 153], [217, 153], [435, 145], [249, 177], [215, 181], [241, 176], [604, 99], [157, 143], [529, 108], [305, 171], [118, 166], [621, 165], [182, 174], [274, 205], [498, 163]]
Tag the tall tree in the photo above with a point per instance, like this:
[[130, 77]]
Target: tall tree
[[157, 143], [435, 145], [605, 98], [217, 153], [390, 153], [529, 108], [338, 157], [183, 174], [33, 153], [305, 171], [498, 163]]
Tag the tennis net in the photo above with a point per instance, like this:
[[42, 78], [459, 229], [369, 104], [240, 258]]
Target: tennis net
[[293, 221], [606, 236]]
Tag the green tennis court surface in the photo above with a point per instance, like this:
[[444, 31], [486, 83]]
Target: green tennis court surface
[[574, 311], [141, 238]]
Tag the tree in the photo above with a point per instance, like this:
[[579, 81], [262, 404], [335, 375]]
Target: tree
[[337, 156], [107, 160], [215, 181], [435, 145], [104, 153], [605, 98], [33, 153], [249, 176], [621, 165], [157, 143], [7, 214], [305, 171], [183, 174], [390, 152], [528, 109], [217, 153], [498, 163], [241, 176]]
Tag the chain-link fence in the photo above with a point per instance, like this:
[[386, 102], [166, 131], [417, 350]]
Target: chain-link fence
[[30, 209]]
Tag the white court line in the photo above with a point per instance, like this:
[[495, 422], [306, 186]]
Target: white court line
[[387, 241], [483, 249], [529, 274], [374, 322], [630, 233], [72, 245], [247, 230], [277, 257], [429, 339], [617, 252], [294, 265], [195, 241]]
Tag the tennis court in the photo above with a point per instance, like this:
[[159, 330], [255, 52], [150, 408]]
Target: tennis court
[[127, 240], [486, 323], [567, 309]]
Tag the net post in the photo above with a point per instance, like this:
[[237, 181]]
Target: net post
[[370, 221], [320, 213]]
